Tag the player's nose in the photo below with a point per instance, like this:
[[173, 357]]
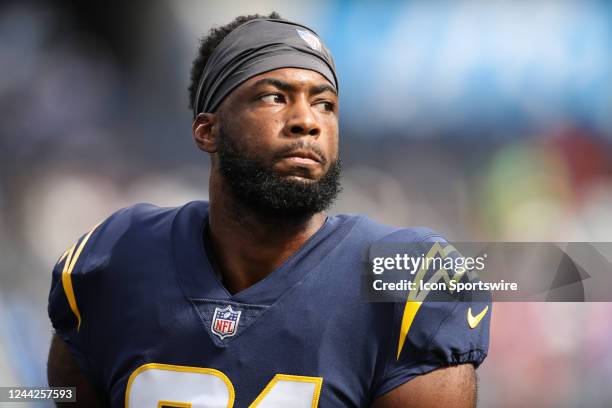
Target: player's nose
[[302, 120]]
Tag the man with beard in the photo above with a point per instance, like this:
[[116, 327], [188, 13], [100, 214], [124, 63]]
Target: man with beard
[[254, 298]]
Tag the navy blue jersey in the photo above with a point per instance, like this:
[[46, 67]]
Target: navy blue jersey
[[150, 323]]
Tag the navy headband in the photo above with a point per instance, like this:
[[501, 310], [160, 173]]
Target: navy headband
[[255, 47]]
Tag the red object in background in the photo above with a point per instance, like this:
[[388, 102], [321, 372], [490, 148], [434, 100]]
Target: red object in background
[[588, 158]]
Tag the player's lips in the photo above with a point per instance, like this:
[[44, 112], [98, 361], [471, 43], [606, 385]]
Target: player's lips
[[303, 157]]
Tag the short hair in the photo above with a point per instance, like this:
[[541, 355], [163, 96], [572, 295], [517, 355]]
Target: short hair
[[209, 43]]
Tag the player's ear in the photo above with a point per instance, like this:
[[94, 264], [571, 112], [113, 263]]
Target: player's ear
[[204, 131]]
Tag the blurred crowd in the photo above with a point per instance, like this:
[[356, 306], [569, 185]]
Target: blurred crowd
[[481, 121]]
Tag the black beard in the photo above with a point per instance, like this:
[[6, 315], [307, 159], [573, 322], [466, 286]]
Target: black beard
[[256, 186]]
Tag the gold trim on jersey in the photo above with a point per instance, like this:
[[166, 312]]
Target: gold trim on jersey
[[410, 311], [317, 381], [71, 260], [174, 404], [183, 369]]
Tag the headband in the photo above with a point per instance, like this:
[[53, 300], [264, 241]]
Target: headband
[[255, 47]]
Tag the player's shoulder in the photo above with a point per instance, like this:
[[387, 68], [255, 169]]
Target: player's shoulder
[[139, 221], [370, 231], [138, 218], [127, 231]]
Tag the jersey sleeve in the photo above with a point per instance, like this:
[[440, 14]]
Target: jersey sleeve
[[67, 300], [428, 333], [74, 296]]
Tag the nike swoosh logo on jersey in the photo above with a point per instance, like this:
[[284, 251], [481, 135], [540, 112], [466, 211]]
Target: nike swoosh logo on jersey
[[473, 321]]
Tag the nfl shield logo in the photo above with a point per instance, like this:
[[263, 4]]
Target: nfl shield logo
[[225, 322]]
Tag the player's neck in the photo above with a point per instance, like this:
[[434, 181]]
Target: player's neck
[[248, 246]]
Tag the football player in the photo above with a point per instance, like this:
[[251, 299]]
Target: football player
[[254, 299]]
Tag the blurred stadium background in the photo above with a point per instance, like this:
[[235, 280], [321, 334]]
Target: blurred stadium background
[[482, 120]]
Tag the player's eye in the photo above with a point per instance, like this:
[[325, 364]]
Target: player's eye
[[272, 98], [325, 106]]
